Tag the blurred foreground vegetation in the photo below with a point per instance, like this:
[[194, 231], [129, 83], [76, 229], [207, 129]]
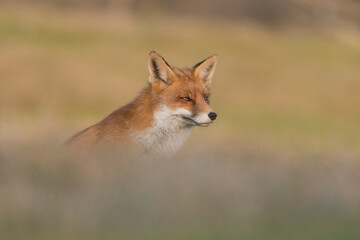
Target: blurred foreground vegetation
[[281, 162], [251, 195]]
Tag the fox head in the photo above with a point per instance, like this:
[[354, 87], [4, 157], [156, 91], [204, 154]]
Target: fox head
[[183, 92]]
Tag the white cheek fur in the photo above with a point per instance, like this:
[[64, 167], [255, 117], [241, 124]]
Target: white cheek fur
[[182, 111]]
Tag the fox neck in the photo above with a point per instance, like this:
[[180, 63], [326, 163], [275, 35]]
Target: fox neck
[[165, 133]]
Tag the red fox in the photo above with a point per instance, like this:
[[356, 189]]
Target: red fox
[[161, 118]]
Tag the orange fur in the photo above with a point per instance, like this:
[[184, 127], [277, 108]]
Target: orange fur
[[168, 87]]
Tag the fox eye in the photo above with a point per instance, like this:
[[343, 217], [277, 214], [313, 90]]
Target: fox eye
[[206, 98], [186, 99]]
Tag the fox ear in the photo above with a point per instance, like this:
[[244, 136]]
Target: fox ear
[[205, 69], [159, 69]]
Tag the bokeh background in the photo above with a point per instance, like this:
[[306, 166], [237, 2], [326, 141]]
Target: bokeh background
[[281, 161]]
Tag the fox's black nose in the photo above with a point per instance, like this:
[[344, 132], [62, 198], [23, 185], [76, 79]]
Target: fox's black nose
[[212, 116]]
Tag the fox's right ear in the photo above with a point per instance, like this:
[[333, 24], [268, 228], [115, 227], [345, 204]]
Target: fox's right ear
[[159, 69]]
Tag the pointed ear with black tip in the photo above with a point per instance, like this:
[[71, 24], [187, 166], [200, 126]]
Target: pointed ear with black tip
[[159, 69], [205, 69]]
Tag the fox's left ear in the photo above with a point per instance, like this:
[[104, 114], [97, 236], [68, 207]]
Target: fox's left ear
[[205, 69]]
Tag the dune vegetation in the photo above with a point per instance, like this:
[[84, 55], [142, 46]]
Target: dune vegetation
[[280, 162]]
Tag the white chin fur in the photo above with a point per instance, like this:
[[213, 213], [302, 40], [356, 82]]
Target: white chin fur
[[168, 132]]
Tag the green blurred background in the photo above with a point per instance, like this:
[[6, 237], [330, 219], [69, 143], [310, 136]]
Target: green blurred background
[[281, 161]]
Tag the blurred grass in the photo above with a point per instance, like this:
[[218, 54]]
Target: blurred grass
[[253, 195], [281, 162], [270, 86]]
